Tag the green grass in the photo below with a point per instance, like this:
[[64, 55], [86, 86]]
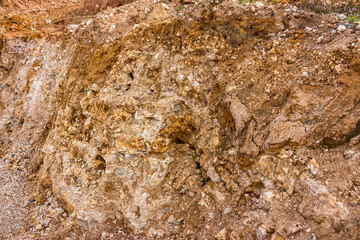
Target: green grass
[[354, 18], [179, 8], [244, 2]]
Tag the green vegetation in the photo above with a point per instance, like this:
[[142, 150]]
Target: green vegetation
[[354, 18], [244, 2], [179, 8]]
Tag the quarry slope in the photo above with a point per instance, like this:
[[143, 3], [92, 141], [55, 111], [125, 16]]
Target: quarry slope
[[153, 121]]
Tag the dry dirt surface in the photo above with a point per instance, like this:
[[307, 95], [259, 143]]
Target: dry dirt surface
[[178, 120]]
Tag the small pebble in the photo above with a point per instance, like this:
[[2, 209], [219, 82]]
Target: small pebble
[[259, 4], [349, 154], [261, 233], [308, 29], [320, 39], [176, 109], [227, 210], [222, 234], [341, 16], [341, 28]]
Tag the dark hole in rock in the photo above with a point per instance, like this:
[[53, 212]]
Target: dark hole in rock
[[355, 132], [179, 141], [99, 163], [131, 75], [128, 87]]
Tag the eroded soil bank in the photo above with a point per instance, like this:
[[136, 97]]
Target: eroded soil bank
[[152, 121]]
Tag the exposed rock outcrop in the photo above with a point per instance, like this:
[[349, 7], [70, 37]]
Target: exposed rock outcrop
[[222, 121]]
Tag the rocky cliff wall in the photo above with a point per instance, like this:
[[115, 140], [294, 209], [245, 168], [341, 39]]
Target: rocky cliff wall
[[213, 121]]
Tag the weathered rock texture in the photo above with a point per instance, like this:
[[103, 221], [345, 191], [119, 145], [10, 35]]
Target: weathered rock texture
[[222, 121], [94, 6]]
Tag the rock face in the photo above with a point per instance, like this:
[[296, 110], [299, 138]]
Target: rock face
[[91, 6], [199, 124]]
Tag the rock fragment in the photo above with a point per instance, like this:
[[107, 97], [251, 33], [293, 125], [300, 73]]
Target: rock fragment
[[341, 28]]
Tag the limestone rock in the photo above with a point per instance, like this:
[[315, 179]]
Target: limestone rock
[[240, 114]]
